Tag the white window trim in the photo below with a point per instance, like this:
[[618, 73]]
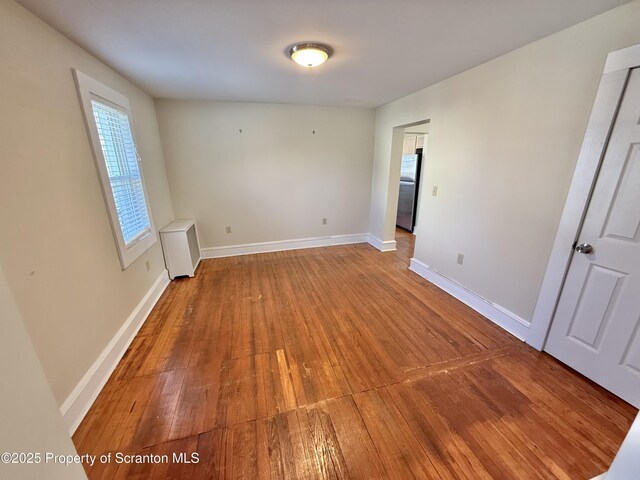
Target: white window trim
[[89, 88]]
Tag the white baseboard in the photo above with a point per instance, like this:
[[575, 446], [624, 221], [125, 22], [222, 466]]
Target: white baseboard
[[77, 404], [388, 246], [295, 244], [499, 315]]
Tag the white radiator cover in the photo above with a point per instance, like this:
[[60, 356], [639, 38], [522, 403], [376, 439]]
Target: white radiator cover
[[181, 247]]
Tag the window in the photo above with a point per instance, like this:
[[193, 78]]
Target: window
[[107, 117]]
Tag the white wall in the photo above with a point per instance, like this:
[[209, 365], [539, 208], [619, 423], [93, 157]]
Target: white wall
[[30, 419], [274, 181], [504, 140], [56, 245]]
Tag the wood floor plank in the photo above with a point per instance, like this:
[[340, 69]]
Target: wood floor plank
[[155, 424], [398, 448], [356, 446], [198, 402], [326, 446], [239, 387], [269, 457], [285, 381], [451, 456], [339, 362]]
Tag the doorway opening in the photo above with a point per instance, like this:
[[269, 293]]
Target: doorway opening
[[414, 148]]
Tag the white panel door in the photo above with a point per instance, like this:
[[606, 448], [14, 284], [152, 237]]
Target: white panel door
[[596, 328]]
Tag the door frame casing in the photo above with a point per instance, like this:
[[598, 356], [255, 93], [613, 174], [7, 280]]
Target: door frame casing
[[605, 109]]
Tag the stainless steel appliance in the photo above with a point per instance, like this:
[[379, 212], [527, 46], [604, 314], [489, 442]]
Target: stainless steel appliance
[[408, 194]]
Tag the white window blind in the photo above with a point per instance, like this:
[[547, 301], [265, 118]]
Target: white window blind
[[107, 116], [121, 161]]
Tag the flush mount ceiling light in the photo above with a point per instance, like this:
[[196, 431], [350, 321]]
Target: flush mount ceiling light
[[310, 54]]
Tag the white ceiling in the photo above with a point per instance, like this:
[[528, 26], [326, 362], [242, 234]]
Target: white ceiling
[[235, 49]]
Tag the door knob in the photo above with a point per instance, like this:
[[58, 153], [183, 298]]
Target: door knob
[[584, 248]]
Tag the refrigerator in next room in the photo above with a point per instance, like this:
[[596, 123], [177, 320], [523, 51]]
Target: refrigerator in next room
[[408, 193]]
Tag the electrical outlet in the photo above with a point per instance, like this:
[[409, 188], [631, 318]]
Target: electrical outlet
[[434, 192], [228, 229], [148, 265], [324, 220], [460, 258]]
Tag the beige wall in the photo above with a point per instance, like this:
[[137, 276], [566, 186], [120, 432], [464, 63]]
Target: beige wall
[[29, 415], [275, 180], [56, 245], [504, 140]]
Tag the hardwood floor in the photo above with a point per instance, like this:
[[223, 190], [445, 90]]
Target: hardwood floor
[[404, 244], [339, 362]]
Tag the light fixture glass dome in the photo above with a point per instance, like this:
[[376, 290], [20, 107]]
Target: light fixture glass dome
[[310, 54]]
